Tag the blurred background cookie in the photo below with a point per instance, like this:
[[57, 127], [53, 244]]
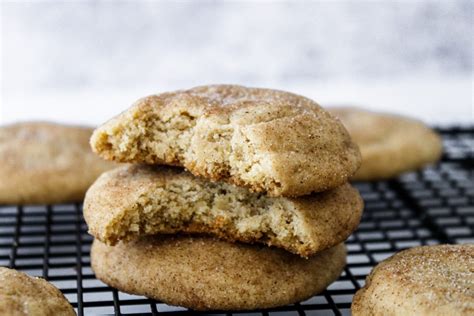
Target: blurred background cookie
[[204, 273], [389, 144], [22, 295], [46, 163], [428, 280]]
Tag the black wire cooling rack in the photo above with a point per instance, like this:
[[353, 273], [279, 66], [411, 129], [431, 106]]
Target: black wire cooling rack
[[433, 206]]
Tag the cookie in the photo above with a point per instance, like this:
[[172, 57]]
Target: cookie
[[266, 140], [208, 274], [45, 163], [428, 280], [21, 294], [133, 201], [390, 144]]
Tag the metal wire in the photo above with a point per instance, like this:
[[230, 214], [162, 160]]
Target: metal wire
[[428, 207]]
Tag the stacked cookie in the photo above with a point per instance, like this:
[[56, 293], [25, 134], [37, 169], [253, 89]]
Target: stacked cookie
[[257, 220]]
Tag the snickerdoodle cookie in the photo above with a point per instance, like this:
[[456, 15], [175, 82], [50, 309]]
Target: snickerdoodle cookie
[[266, 140], [46, 163], [428, 280], [23, 295], [203, 273], [389, 144], [138, 200]]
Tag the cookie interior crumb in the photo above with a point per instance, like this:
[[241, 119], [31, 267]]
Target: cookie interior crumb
[[217, 207], [137, 200], [265, 140], [150, 138]]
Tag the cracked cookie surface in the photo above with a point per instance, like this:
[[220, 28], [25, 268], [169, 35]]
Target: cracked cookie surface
[[139, 200], [208, 274], [266, 140], [426, 280], [22, 295]]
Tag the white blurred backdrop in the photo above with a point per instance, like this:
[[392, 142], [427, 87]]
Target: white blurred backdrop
[[84, 61]]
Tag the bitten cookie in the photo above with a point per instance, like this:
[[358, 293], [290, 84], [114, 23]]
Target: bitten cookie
[[429, 280], [21, 294], [46, 163], [142, 200], [203, 273], [266, 140], [390, 144]]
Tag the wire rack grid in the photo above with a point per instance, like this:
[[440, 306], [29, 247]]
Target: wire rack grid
[[433, 206]]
